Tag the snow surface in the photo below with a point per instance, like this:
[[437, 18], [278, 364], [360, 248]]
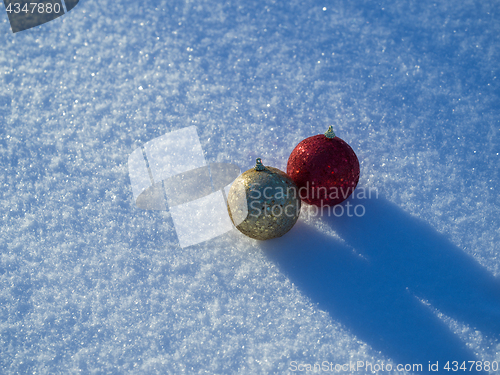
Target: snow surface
[[91, 284]]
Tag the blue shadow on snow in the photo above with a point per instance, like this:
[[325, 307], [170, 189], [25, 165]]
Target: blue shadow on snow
[[374, 295]]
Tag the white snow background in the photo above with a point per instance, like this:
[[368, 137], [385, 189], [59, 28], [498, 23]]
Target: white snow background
[[91, 284]]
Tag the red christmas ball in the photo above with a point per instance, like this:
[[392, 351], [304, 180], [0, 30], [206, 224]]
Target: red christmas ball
[[324, 168]]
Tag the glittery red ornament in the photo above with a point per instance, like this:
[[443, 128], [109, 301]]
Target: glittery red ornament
[[324, 168]]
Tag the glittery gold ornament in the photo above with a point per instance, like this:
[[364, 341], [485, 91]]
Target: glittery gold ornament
[[263, 202]]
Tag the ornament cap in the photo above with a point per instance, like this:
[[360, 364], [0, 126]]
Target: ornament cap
[[258, 165], [329, 133]]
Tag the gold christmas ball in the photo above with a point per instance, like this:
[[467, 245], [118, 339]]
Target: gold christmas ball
[[263, 202]]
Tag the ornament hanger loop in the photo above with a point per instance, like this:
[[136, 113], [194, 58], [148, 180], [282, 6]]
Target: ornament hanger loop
[[329, 133], [258, 165]]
